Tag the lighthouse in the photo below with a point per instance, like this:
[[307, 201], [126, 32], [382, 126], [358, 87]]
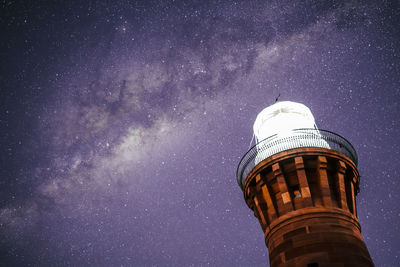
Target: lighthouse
[[301, 183]]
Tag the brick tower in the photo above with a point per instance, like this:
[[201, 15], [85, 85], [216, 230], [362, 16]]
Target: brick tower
[[301, 183]]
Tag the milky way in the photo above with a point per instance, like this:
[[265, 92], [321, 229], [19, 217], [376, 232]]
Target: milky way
[[123, 123]]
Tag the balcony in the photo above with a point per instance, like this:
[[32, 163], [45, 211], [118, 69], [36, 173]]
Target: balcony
[[294, 139]]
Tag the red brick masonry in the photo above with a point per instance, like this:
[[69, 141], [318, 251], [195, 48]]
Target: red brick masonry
[[305, 201]]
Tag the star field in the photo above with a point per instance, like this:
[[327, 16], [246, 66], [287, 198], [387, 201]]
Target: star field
[[122, 123]]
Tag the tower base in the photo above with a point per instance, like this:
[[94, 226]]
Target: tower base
[[314, 237]]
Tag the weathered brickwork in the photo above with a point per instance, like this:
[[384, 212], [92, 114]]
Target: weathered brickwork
[[304, 199]]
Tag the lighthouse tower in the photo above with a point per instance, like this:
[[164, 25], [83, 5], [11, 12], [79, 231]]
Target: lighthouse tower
[[301, 183]]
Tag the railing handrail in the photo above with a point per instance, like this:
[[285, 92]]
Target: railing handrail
[[277, 143]]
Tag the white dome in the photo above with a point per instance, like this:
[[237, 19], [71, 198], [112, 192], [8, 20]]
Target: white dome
[[282, 117]]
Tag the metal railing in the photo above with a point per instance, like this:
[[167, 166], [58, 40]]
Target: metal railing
[[295, 139]]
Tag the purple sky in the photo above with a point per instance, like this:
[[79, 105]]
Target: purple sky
[[123, 123]]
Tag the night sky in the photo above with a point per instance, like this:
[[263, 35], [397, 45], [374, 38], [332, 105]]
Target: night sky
[[122, 123]]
